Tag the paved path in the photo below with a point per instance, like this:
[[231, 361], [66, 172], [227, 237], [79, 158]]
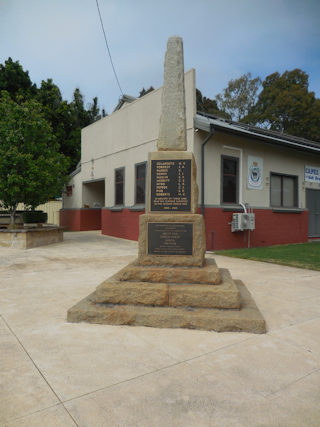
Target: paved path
[[54, 373]]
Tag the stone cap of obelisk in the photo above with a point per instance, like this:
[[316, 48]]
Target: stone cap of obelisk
[[172, 132]]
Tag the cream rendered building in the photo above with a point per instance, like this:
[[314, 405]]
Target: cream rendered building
[[239, 168]]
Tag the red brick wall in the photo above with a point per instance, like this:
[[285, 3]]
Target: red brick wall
[[90, 219], [271, 229], [70, 218], [123, 224], [80, 219]]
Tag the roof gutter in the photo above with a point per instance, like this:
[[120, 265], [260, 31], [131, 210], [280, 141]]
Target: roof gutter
[[203, 123], [211, 132]]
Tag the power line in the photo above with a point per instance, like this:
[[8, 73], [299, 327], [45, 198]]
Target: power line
[[105, 38]]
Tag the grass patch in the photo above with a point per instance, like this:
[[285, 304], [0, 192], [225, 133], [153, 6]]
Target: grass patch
[[302, 255]]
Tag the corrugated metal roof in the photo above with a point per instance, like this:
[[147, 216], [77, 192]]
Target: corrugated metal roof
[[203, 121]]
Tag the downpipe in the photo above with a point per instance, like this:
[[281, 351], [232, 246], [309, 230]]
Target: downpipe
[[211, 133]]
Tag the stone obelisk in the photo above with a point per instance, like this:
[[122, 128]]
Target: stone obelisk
[[171, 232], [171, 284], [172, 132]]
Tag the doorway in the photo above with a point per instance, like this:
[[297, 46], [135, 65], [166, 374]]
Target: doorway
[[93, 194], [313, 204]]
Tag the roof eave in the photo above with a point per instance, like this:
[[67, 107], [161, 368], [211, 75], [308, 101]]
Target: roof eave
[[203, 123]]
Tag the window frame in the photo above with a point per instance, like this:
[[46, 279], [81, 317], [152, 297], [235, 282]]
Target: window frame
[[296, 190], [223, 157], [123, 186], [135, 183]]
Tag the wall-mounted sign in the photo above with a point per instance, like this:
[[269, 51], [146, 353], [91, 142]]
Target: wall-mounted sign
[[312, 174], [255, 169], [69, 190]]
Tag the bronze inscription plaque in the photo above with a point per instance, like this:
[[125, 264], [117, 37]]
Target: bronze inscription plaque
[[170, 185], [170, 238]]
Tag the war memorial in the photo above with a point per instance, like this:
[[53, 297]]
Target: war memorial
[[171, 284]]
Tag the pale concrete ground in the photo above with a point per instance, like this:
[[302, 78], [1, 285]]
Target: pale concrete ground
[[54, 373]]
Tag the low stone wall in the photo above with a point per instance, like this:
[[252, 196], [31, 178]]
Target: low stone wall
[[31, 238]]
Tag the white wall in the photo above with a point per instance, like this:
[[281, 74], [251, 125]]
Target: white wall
[[75, 200], [124, 139], [275, 159]]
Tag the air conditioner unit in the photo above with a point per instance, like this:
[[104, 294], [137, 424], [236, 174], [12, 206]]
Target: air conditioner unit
[[243, 221]]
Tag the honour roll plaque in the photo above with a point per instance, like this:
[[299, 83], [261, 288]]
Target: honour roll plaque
[[170, 185]]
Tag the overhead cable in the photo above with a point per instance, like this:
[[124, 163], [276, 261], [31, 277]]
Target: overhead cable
[[105, 38]]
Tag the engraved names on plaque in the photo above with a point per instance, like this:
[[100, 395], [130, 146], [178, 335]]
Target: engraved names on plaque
[[170, 185], [170, 238]]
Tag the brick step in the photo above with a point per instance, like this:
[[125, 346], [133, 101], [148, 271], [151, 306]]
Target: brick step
[[247, 319]]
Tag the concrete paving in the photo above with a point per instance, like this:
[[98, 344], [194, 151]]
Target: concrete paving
[[54, 373]]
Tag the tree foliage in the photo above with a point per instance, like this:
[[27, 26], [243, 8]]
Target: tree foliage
[[286, 105], [239, 97], [210, 106], [15, 80], [31, 168], [66, 118]]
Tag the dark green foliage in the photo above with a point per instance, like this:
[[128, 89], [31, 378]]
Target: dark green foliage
[[34, 217], [31, 168], [16, 81], [210, 106], [286, 105], [66, 118]]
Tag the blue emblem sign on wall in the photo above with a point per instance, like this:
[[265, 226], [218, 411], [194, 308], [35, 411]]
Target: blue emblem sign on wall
[[255, 169]]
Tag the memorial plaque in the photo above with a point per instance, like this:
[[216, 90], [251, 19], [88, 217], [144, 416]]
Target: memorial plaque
[[170, 185], [170, 238]]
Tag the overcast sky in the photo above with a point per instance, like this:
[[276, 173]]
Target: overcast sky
[[223, 39]]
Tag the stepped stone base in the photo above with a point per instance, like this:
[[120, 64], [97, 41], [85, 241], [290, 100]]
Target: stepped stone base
[[172, 297], [209, 274], [175, 288], [247, 319]]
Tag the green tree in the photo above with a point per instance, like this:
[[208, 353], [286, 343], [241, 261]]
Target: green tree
[[60, 115], [286, 105], [67, 119], [31, 169], [79, 117], [239, 97], [210, 106], [15, 80]]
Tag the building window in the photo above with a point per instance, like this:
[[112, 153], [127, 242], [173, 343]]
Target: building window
[[284, 191], [140, 183], [229, 179], [119, 182]]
